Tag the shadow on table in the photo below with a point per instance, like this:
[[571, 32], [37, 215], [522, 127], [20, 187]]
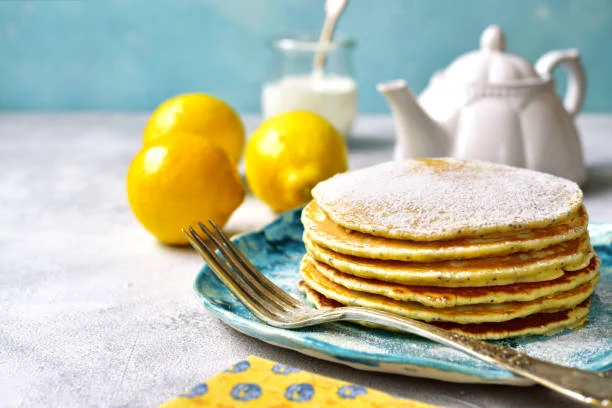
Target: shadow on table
[[599, 179], [175, 248], [369, 142]]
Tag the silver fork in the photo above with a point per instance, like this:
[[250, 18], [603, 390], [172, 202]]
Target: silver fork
[[277, 308]]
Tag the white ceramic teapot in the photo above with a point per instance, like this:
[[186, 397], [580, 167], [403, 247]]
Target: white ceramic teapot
[[494, 106]]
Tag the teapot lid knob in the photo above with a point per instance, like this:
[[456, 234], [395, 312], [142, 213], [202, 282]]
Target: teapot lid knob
[[493, 38]]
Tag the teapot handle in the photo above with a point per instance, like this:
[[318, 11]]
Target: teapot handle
[[576, 81]]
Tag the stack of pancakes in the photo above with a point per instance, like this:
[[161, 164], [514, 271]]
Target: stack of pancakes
[[486, 250]]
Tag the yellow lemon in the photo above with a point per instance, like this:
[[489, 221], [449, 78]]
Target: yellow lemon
[[289, 154], [181, 178], [201, 114]]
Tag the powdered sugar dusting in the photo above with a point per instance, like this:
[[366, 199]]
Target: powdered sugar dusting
[[444, 198]]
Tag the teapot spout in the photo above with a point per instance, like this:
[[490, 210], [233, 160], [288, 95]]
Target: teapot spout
[[417, 135]]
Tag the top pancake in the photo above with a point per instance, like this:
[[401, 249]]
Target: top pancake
[[445, 198], [330, 235]]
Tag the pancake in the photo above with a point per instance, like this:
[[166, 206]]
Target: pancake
[[323, 231], [545, 264], [468, 314], [535, 324], [449, 297], [440, 199]]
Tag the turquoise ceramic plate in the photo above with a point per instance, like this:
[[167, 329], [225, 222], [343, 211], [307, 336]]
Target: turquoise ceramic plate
[[277, 249]]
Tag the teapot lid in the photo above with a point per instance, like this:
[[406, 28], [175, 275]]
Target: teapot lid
[[490, 63]]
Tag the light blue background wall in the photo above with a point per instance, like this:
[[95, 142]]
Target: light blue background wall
[[132, 54]]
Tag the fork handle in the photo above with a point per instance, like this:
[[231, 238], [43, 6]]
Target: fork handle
[[587, 387]]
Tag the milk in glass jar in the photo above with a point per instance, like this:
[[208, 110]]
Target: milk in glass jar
[[293, 83]]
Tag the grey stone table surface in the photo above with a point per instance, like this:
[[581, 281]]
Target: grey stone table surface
[[96, 313]]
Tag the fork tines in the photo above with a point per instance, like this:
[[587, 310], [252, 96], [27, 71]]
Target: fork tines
[[266, 300]]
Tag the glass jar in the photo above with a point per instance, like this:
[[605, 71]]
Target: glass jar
[[293, 83]]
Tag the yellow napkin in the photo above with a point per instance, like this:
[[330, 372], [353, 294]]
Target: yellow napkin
[[257, 382]]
